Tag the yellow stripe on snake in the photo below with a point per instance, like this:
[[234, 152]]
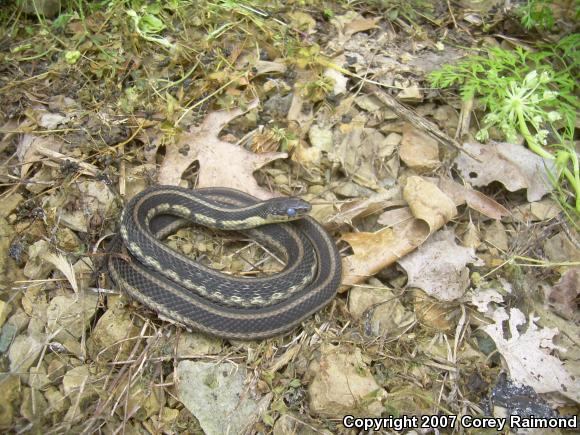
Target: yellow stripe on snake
[[213, 302]]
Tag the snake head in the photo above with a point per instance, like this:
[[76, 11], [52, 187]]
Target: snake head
[[286, 209]]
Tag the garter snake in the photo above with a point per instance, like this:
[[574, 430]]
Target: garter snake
[[213, 302]]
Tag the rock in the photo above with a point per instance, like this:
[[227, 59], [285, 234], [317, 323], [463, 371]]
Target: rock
[[411, 94], [110, 333], [37, 379], [393, 139], [379, 311], [10, 203], [167, 420], [419, 151], [74, 380], [68, 316], [370, 103], [10, 391], [141, 404], [217, 396], [57, 402], [56, 369], [447, 117], [19, 319], [23, 352], [194, 344], [7, 335], [278, 106], [36, 267], [342, 384], [33, 405]]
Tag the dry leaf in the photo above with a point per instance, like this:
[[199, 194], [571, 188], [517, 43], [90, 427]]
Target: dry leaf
[[360, 25], [476, 200], [361, 208], [513, 165], [564, 295], [527, 354], [351, 23], [428, 203], [220, 163], [64, 266], [375, 251], [267, 67], [360, 151], [482, 298], [396, 216], [28, 150], [439, 267], [300, 112]]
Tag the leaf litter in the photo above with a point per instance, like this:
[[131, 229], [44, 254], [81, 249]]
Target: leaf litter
[[329, 104]]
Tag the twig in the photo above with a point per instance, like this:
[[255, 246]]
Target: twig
[[418, 121]]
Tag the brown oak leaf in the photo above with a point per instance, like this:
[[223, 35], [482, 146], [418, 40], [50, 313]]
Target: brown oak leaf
[[220, 163]]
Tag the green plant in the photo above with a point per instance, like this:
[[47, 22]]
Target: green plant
[[532, 93], [536, 14]]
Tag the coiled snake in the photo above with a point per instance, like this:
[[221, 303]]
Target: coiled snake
[[213, 302]]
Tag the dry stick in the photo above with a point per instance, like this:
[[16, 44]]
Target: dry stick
[[464, 118], [411, 116]]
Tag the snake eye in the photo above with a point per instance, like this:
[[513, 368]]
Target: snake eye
[[291, 212]]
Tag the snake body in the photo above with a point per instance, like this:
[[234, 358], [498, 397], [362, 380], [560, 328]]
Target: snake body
[[210, 301]]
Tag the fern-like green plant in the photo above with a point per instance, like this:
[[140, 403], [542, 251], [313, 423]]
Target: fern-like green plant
[[532, 93]]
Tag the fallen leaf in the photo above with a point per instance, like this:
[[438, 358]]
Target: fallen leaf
[[482, 298], [476, 200], [352, 22], [434, 314], [267, 67], [64, 266], [360, 151], [366, 207], [496, 236], [564, 295], [375, 251], [542, 210], [395, 216], [28, 150], [300, 111], [215, 169], [379, 310], [428, 203], [527, 354], [513, 165], [439, 267]]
